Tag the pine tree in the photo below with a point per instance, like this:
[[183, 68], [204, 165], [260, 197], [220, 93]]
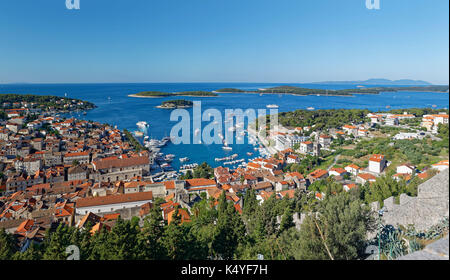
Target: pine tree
[[57, 242], [229, 230], [7, 245], [149, 239], [287, 221], [122, 240]]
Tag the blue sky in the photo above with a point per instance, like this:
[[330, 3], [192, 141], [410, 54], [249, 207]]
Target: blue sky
[[223, 41]]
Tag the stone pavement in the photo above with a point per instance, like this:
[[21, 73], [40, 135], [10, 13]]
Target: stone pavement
[[435, 251]]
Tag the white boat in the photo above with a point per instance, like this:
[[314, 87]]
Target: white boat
[[310, 108], [142, 124], [227, 148], [185, 159], [272, 106]]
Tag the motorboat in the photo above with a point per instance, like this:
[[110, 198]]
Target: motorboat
[[185, 159], [272, 106]]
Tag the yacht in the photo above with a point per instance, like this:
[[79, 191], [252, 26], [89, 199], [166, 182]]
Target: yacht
[[270, 106], [185, 159], [142, 124], [310, 108]]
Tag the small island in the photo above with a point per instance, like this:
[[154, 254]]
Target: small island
[[229, 90], [175, 104], [156, 94]]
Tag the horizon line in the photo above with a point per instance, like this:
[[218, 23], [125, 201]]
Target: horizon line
[[228, 82]]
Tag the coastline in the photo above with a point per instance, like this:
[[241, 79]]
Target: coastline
[[140, 96], [171, 108]]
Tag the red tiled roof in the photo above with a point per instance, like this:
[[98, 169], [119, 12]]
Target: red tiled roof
[[367, 176], [200, 182], [123, 162], [376, 158], [318, 173], [79, 154], [114, 199]]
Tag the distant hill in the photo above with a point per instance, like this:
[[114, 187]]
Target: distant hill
[[384, 82]]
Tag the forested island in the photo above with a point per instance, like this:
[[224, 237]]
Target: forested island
[[168, 94], [229, 90], [173, 104], [341, 92]]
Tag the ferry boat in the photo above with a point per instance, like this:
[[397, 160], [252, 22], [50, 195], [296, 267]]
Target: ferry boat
[[270, 106]]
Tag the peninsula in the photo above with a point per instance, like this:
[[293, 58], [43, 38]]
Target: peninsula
[[157, 94], [39, 104]]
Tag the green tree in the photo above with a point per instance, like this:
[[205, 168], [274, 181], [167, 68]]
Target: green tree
[[229, 230], [7, 245], [338, 230], [149, 239]]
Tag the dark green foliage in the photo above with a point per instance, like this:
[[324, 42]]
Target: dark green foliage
[[44, 101], [176, 103], [135, 143], [204, 170], [7, 247], [232, 90], [322, 119], [341, 226], [184, 93]]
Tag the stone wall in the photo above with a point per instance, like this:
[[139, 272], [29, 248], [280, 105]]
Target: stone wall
[[423, 211]]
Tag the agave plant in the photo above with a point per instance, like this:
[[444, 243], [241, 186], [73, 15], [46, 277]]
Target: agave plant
[[414, 246], [395, 245]]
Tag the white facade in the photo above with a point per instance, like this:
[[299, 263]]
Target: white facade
[[405, 169], [377, 166]]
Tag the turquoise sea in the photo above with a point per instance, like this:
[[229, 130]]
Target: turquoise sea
[[116, 108]]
